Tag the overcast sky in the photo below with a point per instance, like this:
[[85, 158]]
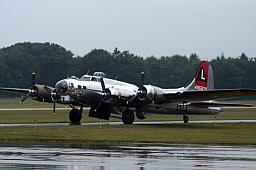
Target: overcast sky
[[144, 27]]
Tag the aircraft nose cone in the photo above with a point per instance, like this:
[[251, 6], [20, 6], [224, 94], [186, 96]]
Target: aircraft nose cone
[[61, 87]]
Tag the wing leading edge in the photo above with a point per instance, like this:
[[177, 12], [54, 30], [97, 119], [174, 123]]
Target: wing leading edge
[[14, 90]]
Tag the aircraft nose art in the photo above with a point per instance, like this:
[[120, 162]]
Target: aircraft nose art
[[61, 87]]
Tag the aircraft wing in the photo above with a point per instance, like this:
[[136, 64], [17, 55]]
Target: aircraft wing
[[14, 90], [195, 95]]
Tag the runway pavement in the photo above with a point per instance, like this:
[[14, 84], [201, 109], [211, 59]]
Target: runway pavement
[[85, 108], [135, 123]]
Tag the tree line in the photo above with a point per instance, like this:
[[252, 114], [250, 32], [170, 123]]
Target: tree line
[[52, 62]]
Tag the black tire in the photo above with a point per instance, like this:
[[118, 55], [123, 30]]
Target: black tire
[[75, 116], [185, 119], [128, 117]]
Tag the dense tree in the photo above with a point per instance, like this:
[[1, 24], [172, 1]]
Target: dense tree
[[52, 62]]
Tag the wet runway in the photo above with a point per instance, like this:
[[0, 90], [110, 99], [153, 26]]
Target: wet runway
[[121, 123], [128, 157]]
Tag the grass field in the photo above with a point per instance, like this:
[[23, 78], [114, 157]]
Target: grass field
[[62, 116], [231, 133], [15, 103]]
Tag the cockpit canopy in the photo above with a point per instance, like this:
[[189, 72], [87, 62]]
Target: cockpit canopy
[[95, 77], [86, 78], [90, 78]]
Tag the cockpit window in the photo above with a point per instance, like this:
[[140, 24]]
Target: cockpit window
[[95, 79], [86, 78], [90, 78]]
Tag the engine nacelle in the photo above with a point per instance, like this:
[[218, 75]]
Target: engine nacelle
[[41, 94], [155, 93], [111, 95]]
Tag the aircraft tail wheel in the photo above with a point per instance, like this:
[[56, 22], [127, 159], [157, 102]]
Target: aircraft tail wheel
[[128, 117], [75, 116], [185, 119]]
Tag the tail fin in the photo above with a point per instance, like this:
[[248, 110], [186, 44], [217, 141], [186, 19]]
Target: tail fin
[[204, 79]]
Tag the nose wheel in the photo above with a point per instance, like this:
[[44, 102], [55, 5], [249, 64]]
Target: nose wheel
[[75, 116]]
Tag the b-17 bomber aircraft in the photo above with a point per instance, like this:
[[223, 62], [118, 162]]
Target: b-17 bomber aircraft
[[108, 97]]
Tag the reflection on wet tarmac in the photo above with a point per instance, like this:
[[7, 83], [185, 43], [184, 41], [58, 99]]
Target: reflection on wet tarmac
[[128, 157]]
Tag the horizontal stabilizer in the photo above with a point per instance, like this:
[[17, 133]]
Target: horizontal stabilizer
[[195, 95], [218, 104]]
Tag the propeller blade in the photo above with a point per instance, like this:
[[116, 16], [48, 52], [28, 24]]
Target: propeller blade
[[149, 98], [141, 80], [102, 85], [25, 98], [52, 92], [33, 79], [54, 106], [99, 105], [131, 99]]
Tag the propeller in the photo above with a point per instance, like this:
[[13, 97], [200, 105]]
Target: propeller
[[103, 94], [54, 98], [33, 79], [141, 93], [54, 106], [31, 91], [141, 80], [25, 98], [102, 85]]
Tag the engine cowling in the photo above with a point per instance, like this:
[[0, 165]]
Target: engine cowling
[[111, 95], [155, 93], [41, 93]]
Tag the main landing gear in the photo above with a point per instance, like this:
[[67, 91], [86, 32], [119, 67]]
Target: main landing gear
[[128, 117], [75, 116]]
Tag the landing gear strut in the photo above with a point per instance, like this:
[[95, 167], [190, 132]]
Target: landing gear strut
[[128, 117], [75, 116], [185, 118]]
